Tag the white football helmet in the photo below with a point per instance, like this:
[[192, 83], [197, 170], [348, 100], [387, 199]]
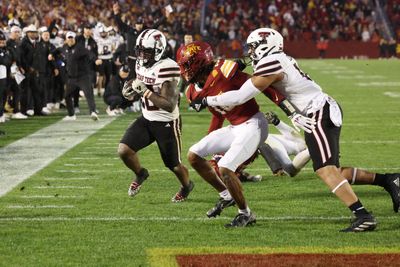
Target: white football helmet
[[263, 42], [150, 46]]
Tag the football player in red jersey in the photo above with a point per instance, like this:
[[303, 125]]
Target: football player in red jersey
[[238, 141]]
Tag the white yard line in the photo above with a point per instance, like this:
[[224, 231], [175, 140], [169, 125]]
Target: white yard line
[[49, 196], [40, 207], [378, 84], [70, 178], [392, 94], [63, 187], [179, 219], [23, 158], [88, 164]]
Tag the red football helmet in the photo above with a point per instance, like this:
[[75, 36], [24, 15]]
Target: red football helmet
[[192, 58]]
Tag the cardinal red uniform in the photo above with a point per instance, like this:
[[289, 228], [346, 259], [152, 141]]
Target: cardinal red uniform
[[248, 126]]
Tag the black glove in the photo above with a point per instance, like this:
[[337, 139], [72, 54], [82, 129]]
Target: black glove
[[242, 64], [199, 103]]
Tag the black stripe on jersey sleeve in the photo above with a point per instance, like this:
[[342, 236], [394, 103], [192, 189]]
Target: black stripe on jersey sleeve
[[267, 64], [169, 75], [169, 69], [267, 71]]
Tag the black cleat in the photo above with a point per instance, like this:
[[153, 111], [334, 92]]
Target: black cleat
[[363, 223], [183, 193], [392, 186], [242, 220], [219, 206]]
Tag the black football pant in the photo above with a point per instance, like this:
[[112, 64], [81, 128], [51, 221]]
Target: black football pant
[[76, 84]]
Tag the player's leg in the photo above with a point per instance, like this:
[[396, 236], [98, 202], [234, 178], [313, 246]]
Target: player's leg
[[135, 138], [269, 156], [168, 138], [248, 137], [216, 142], [301, 159], [389, 181], [323, 144]]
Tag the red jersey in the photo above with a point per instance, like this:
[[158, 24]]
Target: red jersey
[[225, 77]]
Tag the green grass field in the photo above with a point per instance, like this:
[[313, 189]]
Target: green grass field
[[97, 224]]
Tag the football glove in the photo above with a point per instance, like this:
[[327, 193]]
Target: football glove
[[199, 104], [127, 90], [140, 88], [302, 122]]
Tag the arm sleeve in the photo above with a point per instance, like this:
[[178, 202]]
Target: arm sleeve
[[234, 98], [123, 27]]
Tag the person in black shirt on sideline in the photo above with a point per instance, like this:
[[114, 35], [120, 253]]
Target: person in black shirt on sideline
[[5, 64], [77, 59]]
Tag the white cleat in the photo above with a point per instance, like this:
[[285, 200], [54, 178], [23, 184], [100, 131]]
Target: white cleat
[[94, 116], [46, 111], [69, 118], [19, 116], [30, 112]]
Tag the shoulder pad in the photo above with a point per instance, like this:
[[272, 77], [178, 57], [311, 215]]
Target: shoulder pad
[[228, 68]]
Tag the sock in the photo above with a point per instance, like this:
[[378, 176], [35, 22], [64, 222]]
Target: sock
[[380, 179], [141, 176], [245, 211], [225, 195], [358, 209]]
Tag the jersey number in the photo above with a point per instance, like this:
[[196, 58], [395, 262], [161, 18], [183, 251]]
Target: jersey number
[[148, 105]]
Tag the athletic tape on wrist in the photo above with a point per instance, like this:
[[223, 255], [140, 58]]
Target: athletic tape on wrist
[[147, 93]]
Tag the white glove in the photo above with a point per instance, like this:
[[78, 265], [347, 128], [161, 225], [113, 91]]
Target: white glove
[[139, 87], [302, 122], [127, 90]]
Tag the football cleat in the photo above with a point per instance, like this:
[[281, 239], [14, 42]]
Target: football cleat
[[134, 189], [363, 223], [136, 184], [242, 220], [219, 206], [392, 186], [183, 193]]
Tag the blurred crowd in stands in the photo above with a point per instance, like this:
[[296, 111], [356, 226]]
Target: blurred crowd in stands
[[223, 23]]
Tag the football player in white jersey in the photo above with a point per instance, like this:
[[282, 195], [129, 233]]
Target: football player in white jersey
[[105, 47], [157, 77], [273, 67]]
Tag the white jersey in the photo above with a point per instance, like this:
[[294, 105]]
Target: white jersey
[[162, 71], [304, 94], [105, 47]]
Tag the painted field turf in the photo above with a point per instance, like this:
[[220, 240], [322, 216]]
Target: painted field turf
[[76, 211]]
